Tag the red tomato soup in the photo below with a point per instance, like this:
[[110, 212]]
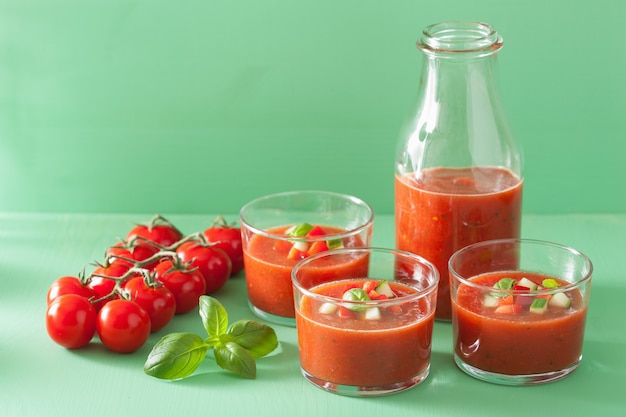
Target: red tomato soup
[[519, 342], [446, 209], [268, 270], [349, 349]]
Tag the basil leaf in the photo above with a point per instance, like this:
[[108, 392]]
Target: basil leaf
[[356, 294], [258, 338], [505, 284], [176, 356], [214, 316], [236, 359]]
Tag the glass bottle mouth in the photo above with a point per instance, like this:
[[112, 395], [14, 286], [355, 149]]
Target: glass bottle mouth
[[460, 37]]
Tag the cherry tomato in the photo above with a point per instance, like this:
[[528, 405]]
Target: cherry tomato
[[228, 239], [158, 301], [136, 251], [123, 326], [71, 320], [213, 263], [158, 230], [102, 287], [68, 285], [186, 285]]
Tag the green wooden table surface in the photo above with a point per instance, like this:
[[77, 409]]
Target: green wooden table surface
[[39, 378]]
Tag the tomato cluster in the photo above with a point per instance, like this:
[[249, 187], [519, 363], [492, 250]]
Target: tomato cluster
[[155, 273]]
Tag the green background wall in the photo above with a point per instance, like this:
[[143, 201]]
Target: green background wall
[[197, 106]]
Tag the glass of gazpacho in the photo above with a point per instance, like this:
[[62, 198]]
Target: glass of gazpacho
[[518, 310], [279, 230], [367, 331]]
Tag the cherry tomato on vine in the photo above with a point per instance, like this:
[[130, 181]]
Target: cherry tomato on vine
[[123, 326], [157, 300], [187, 285], [101, 287], [68, 285], [212, 262], [228, 239], [136, 251], [158, 230], [71, 320]]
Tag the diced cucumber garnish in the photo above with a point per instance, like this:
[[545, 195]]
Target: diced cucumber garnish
[[560, 299], [550, 283], [300, 229], [334, 243], [301, 246], [525, 282], [490, 301], [372, 313], [385, 289], [328, 308], [539, 306]]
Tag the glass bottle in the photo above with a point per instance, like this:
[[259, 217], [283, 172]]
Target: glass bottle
[[458, 175]]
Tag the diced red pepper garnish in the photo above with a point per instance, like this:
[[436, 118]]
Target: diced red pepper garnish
[[316, 247], [376, 296], [316, 231], [524, 300], [509, 309], [369, 286]]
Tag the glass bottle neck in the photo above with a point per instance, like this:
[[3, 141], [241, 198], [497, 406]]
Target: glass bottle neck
[[460, 64], [457, 79], [460, 40], [459, 122]]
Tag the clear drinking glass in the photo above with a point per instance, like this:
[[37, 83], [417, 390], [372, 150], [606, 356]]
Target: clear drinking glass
[[364, 318], [518, 310], [275, 236]]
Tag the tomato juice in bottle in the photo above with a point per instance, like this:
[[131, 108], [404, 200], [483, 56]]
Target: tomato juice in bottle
[[448, 209], [458, 173]]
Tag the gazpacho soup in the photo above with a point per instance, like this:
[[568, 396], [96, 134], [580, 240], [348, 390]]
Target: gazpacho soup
[[269, 261], [365, 332], [525, 324]]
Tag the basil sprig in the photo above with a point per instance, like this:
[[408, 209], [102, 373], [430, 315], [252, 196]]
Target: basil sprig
[[356, 294], [235, 347], [506, 284]]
